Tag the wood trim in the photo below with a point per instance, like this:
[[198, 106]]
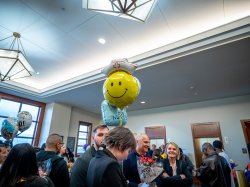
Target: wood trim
[[160, 135], [244, 129], [89, 133], [21, 99], [204, 135], [30, 102], [39, 126], [207, 133]]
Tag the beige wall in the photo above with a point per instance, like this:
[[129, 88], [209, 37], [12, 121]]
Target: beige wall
[[81, 115], [56, 120], [64, 120], [178, 120]]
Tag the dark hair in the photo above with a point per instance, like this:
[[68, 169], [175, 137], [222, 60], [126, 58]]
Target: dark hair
[[20, 163], [69, 155], [53, 139], [207, 146], [100, 127], [156, 153], [43, 146], [121, 138], [217, 144]]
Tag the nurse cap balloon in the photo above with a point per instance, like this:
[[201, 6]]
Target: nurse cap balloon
[[119, 65]]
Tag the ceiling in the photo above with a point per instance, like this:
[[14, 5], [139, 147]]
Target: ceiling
[[187, 51]]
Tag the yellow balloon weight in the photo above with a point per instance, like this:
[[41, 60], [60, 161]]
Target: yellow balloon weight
[[121, 89]]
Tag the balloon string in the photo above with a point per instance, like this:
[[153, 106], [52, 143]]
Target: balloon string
[[120, 118]]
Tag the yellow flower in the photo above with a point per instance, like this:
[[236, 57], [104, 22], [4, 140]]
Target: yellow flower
[[163, 155]]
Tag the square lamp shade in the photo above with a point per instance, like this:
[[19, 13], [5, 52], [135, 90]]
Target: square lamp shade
[[132, 9], [13, 65]]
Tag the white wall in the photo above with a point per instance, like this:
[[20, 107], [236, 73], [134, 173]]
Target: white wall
[[46, 123], [56, 120], [178, 120], [64, 120], [81, 115]]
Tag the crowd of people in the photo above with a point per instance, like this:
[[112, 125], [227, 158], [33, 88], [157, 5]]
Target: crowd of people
[[111, 161]]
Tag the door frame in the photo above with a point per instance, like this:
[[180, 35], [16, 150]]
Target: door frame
[[204, 135], [247, 139]]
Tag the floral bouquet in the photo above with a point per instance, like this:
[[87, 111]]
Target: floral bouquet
[[148, 169]]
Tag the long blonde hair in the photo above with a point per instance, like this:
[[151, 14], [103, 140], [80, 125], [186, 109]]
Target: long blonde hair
[[177, 149]]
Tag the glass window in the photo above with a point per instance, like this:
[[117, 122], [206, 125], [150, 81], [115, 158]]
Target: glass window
[[80, 150], [82, 137], [83, 128], [9, 108], [82, 142], [30, 131], [22, 140]]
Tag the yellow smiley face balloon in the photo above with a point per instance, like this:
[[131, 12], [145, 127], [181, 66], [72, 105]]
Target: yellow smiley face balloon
[[121, 89]]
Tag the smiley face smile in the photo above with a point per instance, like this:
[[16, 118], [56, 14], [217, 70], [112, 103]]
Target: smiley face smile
[[119, 96]]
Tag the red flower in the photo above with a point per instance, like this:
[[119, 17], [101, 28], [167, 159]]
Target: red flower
[[146, 161]]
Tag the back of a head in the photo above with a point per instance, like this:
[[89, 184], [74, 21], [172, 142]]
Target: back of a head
[[217, 144], [207, 147], [20, 162], [120, 138], [156, 153], [53, 140]]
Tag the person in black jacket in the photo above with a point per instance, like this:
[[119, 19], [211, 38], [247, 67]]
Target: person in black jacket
[[52, 165], [214, 170], [104, 169], [20, 169], [176, 172], [80, 167], [130, 168]]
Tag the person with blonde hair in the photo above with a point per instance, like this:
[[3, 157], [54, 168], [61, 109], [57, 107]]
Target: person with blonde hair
[[176, 172]]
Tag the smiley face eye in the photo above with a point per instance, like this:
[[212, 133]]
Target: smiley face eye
[[112, 83], [120, 83]]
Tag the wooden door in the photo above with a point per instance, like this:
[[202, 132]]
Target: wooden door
[[156, 134], [204, 132], [246, 131]]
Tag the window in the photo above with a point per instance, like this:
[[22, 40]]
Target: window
[[11, 105], [83, 137]]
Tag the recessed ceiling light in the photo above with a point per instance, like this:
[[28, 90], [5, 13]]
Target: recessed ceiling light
[[102, 41], [37, 73], [143, 102]]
